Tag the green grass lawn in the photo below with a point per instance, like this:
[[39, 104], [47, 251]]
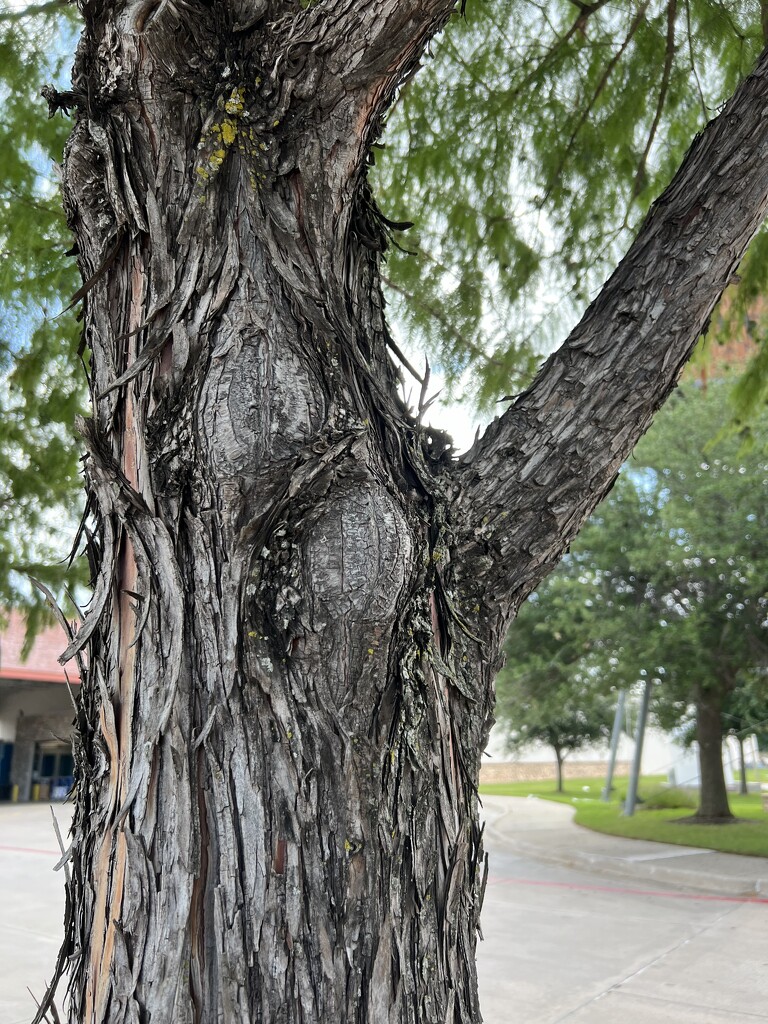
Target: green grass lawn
[[753, 774], [574, 789], [749, 836]]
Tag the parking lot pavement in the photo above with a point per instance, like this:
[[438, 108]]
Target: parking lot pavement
[[567, 945], [31, 905]]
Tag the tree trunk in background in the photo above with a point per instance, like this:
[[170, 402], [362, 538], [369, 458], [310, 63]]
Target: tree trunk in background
[[299, 595], [743, 787], [559, 758], [713, 795]]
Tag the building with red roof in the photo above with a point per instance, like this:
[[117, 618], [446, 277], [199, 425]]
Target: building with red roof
[[36, 714]]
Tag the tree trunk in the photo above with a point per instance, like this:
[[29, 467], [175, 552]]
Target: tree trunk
[[276, 812], [559, 758], [288, 660], [713, 795], [743, 787]]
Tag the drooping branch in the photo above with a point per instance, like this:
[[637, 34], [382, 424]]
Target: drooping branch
[[538, 472], [669, 56], [599, 90]]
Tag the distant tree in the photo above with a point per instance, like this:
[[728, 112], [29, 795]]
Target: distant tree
[[679, 551], [548, 693]]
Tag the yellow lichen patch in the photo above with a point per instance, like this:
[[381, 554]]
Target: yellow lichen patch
[[220, 134], [228, 132], [236, 102]]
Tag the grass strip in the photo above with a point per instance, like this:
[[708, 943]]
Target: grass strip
[[748, 835]]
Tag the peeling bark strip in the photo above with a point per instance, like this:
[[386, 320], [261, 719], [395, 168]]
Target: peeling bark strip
[[300, 597]]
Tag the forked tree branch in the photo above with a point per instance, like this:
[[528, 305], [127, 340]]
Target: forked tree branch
[[539, 471]]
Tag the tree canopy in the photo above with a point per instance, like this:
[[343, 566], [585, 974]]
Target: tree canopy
[[682, 536], [42, 382], [528, 153], [548, 691], [524, 154]]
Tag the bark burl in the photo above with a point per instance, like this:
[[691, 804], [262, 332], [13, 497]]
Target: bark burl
[[300, 594]]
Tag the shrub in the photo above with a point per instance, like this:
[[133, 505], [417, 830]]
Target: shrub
[[668, 797]]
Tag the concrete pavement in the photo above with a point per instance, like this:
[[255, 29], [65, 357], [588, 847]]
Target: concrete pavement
[[543, 831], [31, 905], [564, 946]]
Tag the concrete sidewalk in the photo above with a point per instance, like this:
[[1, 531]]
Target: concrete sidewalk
[[544, 831]]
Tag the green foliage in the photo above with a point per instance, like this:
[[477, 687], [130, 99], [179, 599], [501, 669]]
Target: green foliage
[[679, 546], [666, 797], [528, 152], [546, 692], [42, 386], [746, 708]]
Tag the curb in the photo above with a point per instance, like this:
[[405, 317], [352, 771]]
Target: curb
[[616, 867], [711, 884]]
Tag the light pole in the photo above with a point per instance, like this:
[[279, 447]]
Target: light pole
[[615, 736], [629, 805]]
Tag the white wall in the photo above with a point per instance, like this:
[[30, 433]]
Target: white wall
[[31, 699]]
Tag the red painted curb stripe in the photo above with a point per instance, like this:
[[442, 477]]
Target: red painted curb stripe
[[29, 849], [707, 897]]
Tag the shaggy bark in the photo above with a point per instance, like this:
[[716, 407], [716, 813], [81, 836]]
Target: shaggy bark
[[300, 596]]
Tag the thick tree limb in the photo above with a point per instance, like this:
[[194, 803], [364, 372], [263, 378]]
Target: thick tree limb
[[382, 35], [539, 471], [368, 48]]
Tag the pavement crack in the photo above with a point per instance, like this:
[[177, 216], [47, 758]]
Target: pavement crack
[[646, 966], [732, 1014]]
